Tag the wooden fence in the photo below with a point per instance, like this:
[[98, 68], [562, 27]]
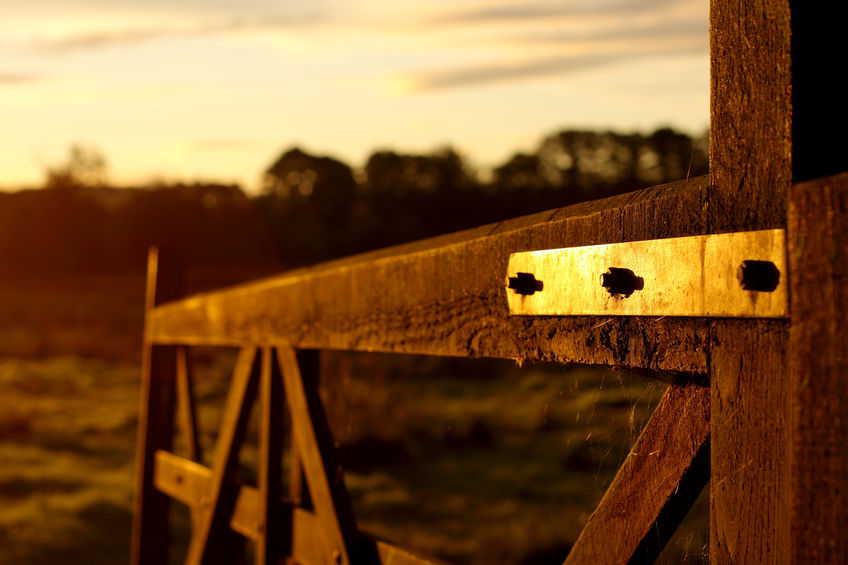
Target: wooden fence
[[759, 407]]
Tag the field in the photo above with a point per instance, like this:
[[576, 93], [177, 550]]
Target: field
[[471, 461]]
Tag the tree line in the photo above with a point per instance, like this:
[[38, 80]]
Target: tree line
[[318, 207], [313, 207]]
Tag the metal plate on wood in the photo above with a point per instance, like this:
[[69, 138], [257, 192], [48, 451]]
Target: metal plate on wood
[[740, 274]]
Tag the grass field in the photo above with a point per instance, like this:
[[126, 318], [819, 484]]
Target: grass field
[[476, 462]]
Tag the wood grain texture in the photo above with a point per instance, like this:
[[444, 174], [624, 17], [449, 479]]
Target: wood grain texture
[[750, 175], [818, 369], [749, 519], [750, 114], [446, 296], [655, 486], [150, 535]]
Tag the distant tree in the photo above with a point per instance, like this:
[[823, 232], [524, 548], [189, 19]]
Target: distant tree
[[326, 184], [585, 160], [317, 209], [522, 171], [85, 167], [441, 171], [605, 162]]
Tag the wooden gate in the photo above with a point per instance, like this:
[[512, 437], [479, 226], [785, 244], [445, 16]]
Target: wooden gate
[[757, 406]]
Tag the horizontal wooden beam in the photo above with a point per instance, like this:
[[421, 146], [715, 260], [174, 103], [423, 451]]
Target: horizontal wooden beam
[[446, 296], [191, 484]]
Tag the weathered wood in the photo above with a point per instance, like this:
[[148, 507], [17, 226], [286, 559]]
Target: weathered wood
[[748, 490], [150, 535], [818, 370], [750, 115], [222, 493], [655, 486], [270, 461], [750, 175], [446, 296], [317, 453], [187, 405], [190, 483], [187, 411]]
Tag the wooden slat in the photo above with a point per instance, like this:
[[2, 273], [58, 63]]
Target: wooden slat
[[150, 536], [222, 493], [818, 371], [655, 486], [750, 114], [187, 406], [446, 296], [187, 415], [750, 176], [748, 491], [317, 453], [190, 483], [270, 459]]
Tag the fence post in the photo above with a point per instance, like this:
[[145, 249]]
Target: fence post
[[150, 534], [750, 176], [778, 487], [818, 370]]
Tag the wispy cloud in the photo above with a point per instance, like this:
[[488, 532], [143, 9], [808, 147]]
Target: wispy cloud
[[586, 34], [532, 68], [545, 10], [19, 78], [127, 36], [690, 29]]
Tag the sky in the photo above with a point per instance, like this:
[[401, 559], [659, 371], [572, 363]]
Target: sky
[[186, 90]]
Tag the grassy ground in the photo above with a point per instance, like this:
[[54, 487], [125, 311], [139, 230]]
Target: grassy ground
[[475, 461], [66, 446]]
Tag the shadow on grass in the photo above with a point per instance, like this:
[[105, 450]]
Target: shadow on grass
[[18, 488], [103, 538]]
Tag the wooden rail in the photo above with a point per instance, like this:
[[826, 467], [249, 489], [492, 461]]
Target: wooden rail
[[445, 296], [757, 407]]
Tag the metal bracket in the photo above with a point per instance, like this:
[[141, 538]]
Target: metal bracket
[[740, 275]]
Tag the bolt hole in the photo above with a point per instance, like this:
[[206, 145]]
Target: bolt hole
[[762, 276], [621, 281], [525, 284]]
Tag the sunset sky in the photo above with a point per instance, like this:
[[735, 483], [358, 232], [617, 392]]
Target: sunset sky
[[216, 89]]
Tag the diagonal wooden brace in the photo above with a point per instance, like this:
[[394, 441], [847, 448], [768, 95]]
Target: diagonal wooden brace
[[316, 453], [655, 487], [222, 494]]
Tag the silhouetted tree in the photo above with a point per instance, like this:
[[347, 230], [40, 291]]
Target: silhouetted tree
[[444, 170], [85, 166], [326, 184], [521, 171]]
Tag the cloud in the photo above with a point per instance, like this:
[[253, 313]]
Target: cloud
[[128, 36], [533, 68], [545, 10], [640, 28], [690, 29], [19, 78]]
